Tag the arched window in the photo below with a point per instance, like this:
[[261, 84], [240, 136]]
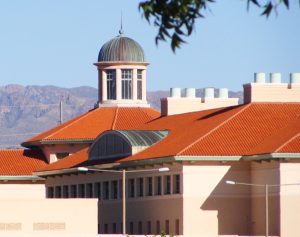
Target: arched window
[[126, 76], [111, 84], [139, 84]]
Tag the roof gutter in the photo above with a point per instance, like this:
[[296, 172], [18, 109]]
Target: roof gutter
[[73, 170], [32, 178], [56, 141]]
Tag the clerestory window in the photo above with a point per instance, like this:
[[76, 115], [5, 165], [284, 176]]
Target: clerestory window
[[126, 76], [111, 84], [139, 84]]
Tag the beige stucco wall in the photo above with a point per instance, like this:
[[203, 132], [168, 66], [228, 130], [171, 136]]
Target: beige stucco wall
[[265, 173], [22, 190], [48, 217], [212, 207], [290, 198]]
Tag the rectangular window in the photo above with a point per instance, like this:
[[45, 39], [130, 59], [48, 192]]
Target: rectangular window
[[176, 183], [97, 190], [58, 192], [149, 186], [126, 75], [105, 228], [177, 227], [158, 227], [50, 192], [167, 184], [167, 227], [114, 189], [131, 228], [111, 84], [89, 190], [149, 227], [140, 228], [65, 191], [114, 228], [131, 188], [106, 190], [158, 185], [73, 191], [81, 190], [141, 187]]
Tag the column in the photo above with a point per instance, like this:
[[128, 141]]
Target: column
[[104, 86], [118, 84], [134, 84], [144, 86]]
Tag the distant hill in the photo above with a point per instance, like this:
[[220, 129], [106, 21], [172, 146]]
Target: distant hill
[[27, 111]]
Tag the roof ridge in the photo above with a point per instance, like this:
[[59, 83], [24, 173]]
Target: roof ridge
[[75, 120], [214, 129], [115, 119], [287, 142]]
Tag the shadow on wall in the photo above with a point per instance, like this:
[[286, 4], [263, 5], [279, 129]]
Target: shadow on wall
[[241, 209]]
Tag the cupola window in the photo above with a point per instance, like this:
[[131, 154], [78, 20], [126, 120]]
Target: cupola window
[[126, 83], [139, 84], [111, 84]]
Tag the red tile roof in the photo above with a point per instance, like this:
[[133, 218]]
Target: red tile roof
[[89, 125], [19, 162], [251, 129]]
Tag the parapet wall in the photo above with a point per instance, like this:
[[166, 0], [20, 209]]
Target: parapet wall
[[176, 104], [274, 90]]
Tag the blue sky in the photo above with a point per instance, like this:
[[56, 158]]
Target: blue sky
[[56, 43]]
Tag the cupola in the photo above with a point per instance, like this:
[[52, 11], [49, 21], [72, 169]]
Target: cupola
[[122, 73]]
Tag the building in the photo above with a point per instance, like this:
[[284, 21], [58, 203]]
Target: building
[[203, 141]]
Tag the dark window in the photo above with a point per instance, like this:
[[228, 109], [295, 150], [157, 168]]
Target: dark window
[[66, 191], [149, 227], [58, 192], [131, 188], [167, 227], [50, 192], [126, 83], [81, 191], [177, 227], [106, 190], [176, 181], [105, 228], [158, 185], [158, 227], [149, 186], [114, 194], [97, 190], [114, 228], [111, 84], [89, 190], [61, 155], [131, 228], [141, 187], [73, 191], [167, 184], [140, 228]]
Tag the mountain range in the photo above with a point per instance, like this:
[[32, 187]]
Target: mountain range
[[28, 110]]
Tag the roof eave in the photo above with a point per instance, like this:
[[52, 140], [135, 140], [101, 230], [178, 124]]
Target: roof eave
[[21, 178], [56, 141]]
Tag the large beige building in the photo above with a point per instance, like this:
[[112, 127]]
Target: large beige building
[[203, 141]]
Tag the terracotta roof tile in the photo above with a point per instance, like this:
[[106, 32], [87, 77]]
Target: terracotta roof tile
[[89, 125], [19, 162]]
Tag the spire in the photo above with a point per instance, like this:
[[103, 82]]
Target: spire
[[121, 32]]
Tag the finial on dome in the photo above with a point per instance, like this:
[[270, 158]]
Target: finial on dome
[[121, 32]]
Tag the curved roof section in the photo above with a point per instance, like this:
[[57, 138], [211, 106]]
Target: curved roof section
[[121, 49], [142, 137]]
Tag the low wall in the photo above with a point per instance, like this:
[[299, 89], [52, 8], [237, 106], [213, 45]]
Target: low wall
[[48, 217]]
